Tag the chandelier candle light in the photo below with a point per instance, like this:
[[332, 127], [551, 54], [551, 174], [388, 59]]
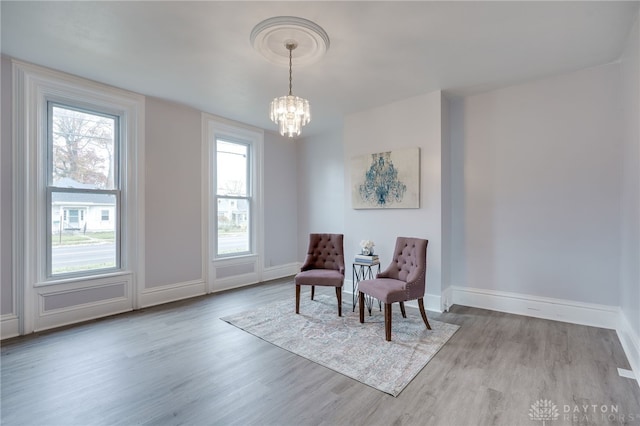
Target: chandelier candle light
[[290, 112]]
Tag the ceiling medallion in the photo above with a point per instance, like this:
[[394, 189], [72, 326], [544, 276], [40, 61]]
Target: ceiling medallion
[[270, 36], [276, 39]]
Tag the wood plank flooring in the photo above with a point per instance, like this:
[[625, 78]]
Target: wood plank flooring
[[179, 364]]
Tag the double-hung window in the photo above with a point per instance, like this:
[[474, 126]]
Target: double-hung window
[[78, 245], [233, 194], [233, 198], [83, 186]]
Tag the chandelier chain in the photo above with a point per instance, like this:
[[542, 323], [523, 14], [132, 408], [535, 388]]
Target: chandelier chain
[[290, 72]]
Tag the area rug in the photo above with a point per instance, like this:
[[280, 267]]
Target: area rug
[[342, 344]]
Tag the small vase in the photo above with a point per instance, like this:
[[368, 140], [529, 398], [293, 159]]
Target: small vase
[[366, 251]]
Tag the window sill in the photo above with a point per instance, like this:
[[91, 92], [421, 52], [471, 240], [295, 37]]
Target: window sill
[[236, 259], [83, 278]]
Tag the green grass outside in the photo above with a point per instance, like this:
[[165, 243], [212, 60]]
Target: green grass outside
[[74, 238]]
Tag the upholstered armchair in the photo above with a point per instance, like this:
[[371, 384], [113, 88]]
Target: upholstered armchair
[[324, 265], [402, 281]]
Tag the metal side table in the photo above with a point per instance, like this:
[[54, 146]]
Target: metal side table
[[363, 271]]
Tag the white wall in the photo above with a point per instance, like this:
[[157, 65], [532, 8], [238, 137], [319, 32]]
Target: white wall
[[320, 171], [172, 223], [173, 219], [536, 188], [280, 201], [630, 222], [414, 122], [6, 288], [174, 235], [446, 195]]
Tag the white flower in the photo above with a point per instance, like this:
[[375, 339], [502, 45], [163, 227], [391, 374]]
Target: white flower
[[368, 244]]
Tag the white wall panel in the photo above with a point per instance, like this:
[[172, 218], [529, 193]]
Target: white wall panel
[[173, 196], [541, 188], [280, 201], [7, 289], [320, 187], [414, 122], [630, 223]]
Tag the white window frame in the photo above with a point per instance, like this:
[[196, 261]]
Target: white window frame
[[33, 88], [249, 265]]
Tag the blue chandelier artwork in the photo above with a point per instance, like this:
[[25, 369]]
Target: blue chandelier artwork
[[381, 185]]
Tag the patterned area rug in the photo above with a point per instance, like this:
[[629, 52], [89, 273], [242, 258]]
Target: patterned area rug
[[344, 345]]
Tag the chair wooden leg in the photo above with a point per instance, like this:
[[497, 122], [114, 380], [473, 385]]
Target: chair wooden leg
[[297, 299], [423, 313], [404, 313], [313, 291], [339, 296], [361, 305], [387, 321]]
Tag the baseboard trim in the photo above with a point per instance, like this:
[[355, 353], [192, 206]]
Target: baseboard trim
[[170, 293], [590, 314], [630, 344], [280, 271], [9, 326]]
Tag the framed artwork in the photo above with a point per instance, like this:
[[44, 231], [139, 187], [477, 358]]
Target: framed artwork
[[386, 180]]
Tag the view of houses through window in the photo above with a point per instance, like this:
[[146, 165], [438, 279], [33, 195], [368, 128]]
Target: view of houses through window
[[233, 196], [82, 191]]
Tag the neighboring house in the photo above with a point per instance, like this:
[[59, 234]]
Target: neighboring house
[[233, 212], [72, 211]]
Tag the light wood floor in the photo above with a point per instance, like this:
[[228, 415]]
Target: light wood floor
[[180, 364]]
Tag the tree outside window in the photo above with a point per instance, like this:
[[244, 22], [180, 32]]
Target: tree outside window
[[83, 187]]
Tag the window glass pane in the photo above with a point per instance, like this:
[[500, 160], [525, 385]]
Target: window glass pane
[[233, 226], [232, 163], [83, 149], [81, 240]]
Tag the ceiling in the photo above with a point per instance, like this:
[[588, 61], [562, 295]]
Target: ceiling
[[199, 53]]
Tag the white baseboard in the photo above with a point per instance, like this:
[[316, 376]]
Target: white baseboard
[[170, 293], [9, 326], [591, 314], [280, 271], [631, 344]]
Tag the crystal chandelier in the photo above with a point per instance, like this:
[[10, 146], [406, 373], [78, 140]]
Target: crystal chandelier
[[290, 112]]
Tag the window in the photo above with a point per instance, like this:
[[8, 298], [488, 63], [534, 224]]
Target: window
[[59, 184], [83, 179], [234, 197]]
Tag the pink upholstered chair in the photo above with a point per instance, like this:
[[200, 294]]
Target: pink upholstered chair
[[323, 266], [403, 280]]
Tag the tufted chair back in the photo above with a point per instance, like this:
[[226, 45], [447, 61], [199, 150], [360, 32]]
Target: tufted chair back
[[409, 264], [325, 252]]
